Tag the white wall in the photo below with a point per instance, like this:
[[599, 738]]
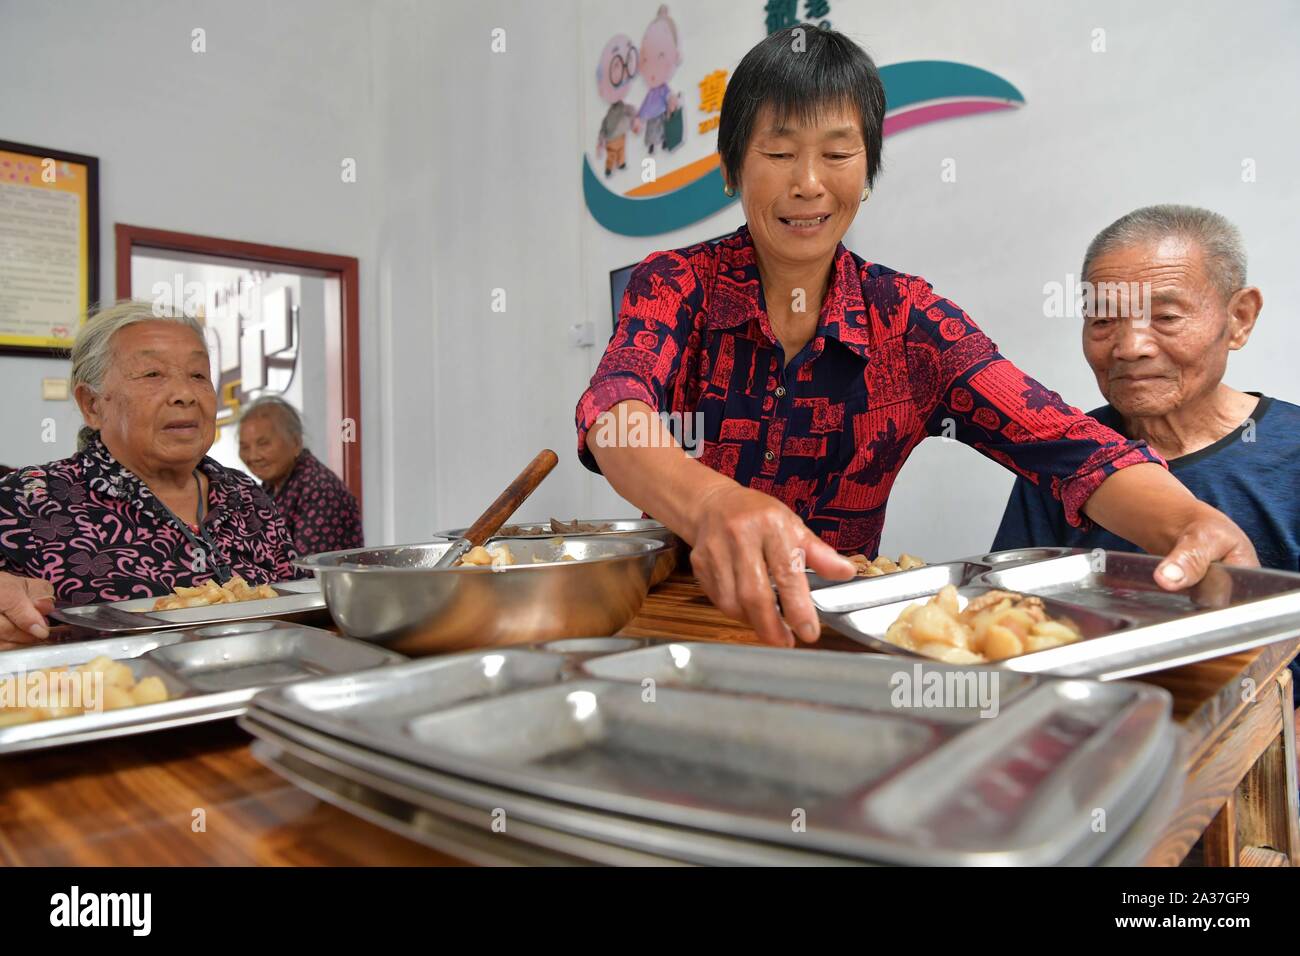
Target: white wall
[[483, 196], [31, 428], [469, 165]]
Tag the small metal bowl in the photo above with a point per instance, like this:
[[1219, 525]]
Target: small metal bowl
[[393, 596], [618, 528]]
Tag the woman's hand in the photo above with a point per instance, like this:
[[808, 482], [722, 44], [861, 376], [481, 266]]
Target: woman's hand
[[741, 538], [24, 602]]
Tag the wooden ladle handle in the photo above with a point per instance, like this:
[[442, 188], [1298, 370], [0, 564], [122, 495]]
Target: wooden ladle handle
[[508, 502]]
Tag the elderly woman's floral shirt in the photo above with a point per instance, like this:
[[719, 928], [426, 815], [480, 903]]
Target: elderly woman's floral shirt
[[97, 533], [319, 510]]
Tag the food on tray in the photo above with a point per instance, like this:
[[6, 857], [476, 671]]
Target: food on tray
[[992, 627], [62, 692], [210, 592], [499, 555], [868, 568], [578, 527], [556, 526]]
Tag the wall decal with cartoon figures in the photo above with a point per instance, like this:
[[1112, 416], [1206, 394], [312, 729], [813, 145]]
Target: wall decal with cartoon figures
[[676, 179], [614, 75], [661, 111]]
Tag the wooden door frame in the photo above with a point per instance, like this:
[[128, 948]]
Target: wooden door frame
[[127, 238]]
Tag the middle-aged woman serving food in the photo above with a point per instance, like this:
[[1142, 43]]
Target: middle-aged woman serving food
[[139, 510], [816, 372]]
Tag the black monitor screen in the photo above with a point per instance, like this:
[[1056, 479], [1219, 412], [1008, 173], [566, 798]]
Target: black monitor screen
[[618, 285]]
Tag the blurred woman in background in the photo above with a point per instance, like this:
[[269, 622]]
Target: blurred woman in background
[[320, 511]]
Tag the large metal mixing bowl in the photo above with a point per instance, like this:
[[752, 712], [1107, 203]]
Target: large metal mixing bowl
[[617, 527], [393, 596]]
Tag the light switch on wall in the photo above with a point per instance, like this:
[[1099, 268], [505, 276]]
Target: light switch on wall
[[54, 389], [582, 334]]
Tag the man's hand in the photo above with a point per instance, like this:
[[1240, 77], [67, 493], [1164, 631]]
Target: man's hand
[[1147, 505], [1209, 536]]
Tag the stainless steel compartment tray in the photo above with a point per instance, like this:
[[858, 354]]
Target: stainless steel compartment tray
[[414, 688], [40, 656], [453, 815], [523, 844], [841, 680], [959, 572], [869, 625], [1232, 610], [1073, 749], [739, 765], [248, 662], [725, 754], [540, 529], [605, 838], [355, 702], [836, 597], [1122, 583], [209, 674], [300, 599]]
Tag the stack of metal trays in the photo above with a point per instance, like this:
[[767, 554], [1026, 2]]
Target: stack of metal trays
[[299, 600], [631, 751], [1130, 625], [209, 673]]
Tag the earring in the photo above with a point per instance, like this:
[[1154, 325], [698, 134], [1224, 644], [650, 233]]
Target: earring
[[866, 191], [728, 191]]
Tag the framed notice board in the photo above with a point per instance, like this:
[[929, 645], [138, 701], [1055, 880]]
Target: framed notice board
[[49, 246]]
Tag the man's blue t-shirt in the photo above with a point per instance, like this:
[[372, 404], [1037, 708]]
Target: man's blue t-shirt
[[1252, 475]]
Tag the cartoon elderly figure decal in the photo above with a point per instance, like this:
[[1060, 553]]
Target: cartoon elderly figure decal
[[660, 58], [614, 76]]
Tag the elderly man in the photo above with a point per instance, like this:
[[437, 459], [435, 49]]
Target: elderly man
[[1160, 368], [321, 513]]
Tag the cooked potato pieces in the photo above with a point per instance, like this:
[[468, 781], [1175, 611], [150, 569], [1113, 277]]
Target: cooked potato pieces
[[210, 592], [992, 627], [882, 564], [497, 556], [150, 691], [100, 684]]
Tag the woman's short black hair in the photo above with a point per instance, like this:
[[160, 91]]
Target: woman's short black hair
[[799, 75]]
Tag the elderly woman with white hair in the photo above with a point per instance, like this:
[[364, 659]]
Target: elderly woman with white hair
[[140, 509], [320, 511]]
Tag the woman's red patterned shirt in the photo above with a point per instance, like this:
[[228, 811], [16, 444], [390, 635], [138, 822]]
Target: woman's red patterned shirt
[[891, 363]]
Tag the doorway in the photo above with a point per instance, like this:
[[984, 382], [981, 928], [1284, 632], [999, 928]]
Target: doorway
[[280, 322]]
